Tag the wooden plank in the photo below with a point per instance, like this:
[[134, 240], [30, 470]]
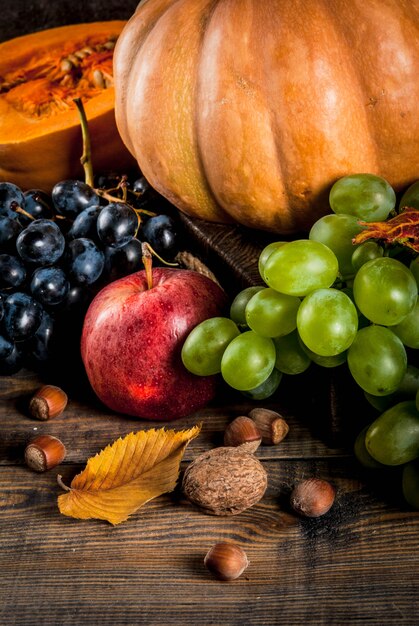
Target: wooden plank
[[357, 564], [87, 426]]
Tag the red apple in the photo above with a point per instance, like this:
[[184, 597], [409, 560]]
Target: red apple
[[132, 338]]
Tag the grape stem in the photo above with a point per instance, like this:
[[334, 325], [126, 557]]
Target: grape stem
[[19, 209], [112, 198], [86, 157]]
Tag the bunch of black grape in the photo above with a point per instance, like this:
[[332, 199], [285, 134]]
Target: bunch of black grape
[[58, 250]]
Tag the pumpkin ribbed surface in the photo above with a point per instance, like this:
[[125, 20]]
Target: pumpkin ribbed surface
[[249, 110]]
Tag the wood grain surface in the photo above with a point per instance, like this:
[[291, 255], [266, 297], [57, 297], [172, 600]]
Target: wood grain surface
[[357, 564]]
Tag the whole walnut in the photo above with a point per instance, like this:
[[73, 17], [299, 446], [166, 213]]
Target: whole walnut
[[225, 481]]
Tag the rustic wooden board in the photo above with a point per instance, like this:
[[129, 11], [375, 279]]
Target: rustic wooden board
[[358, 563], [87, 426], [355, 565]]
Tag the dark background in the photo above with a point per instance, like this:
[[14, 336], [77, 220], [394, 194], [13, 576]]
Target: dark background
[[19, 17]]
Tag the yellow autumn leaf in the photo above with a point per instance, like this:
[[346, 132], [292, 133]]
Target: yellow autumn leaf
[[127, 474]]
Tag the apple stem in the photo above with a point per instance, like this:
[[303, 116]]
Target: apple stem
[[148, 263], [86, 157]]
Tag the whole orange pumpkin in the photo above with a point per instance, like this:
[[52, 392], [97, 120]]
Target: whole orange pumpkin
[[251, 109], [40, 75]]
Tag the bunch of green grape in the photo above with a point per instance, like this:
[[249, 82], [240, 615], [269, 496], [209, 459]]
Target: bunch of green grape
[[327, 301]]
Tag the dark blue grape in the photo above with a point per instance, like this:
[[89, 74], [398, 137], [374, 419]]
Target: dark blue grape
[[85, 224], [141, 186], [146, 196], [123, 261], [12, 363], [40, 347], [71, 197], [11, 197], [22, 316], [117, 224], [9, 231], [49, 285], [74, 306], [38, 204], [162, 234], [2, 299], [6, 347], [41, 243], [108, 181], [85, 262], [12, 271]]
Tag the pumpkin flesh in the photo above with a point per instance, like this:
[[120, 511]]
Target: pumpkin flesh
[[251, 109]]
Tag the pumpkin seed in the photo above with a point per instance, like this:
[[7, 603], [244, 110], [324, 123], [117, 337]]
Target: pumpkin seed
[[73, 59], [66, 65], [98, 79]]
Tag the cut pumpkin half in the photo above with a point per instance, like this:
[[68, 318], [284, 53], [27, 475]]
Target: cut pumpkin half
[[40, 76]]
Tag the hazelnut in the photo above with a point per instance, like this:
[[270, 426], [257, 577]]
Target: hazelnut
[[48, 402], [243, 431], [272, 426], [227, 561], [225, 481], [312, 497], [44, 452]]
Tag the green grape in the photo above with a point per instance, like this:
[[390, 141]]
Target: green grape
[[290, 356], [337, 232], [362, 454], [407, 390], [300, 266], [204, 346], [410, 197], [267, 388], [238, 306], [272, 314], [368, 197], [385, 291], [265, 254], [362, 320], [248, 361], [377, 360], [414, 268], [393, 438], [325, 361], [410, 483], [365, 252], [408, 329], [327, 321]]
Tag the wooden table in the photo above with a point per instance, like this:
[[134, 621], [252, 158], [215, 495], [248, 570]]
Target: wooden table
[[357, 564]]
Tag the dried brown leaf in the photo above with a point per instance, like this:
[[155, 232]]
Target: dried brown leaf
[[127, 474], [402, 229]]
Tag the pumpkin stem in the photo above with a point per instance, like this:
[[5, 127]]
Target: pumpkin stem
[[86, 157]]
